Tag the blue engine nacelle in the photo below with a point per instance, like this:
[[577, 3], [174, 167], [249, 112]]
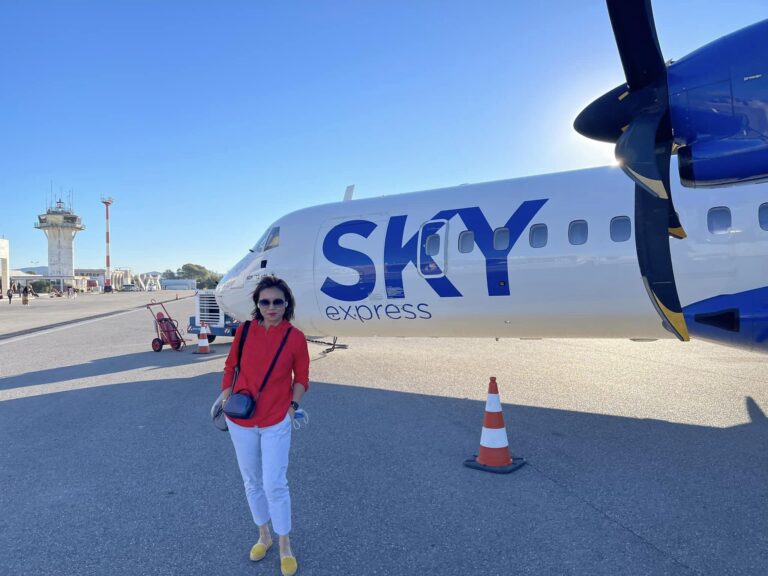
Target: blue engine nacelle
[[718, 97]]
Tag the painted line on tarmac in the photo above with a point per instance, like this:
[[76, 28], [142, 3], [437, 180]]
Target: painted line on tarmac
[[51, 328]]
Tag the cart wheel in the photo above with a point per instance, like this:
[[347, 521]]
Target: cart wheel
[[157, 344], [176, 345], [211, 338]]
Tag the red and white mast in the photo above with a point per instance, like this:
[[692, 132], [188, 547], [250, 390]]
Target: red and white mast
[[108, 273]]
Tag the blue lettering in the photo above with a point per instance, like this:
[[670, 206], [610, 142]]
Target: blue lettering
[[496, 267], [348, 313], [348, 258], [423, 311], [408, 309], [390, 310], [364, 313], [359, 314], [398, 255]]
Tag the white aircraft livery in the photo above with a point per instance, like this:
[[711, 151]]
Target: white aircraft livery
[[596, 253]]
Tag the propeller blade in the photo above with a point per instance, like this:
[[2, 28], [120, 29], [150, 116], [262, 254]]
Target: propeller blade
[[638, 153], [635, 33], [674, 227], [644, 151], [655, 259]]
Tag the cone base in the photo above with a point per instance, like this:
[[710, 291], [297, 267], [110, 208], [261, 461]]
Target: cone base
[[517, 462]]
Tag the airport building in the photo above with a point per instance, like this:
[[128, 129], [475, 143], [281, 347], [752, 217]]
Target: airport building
[[178, 284], [60, 225], [5, 266]]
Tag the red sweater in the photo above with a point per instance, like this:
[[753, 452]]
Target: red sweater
[[260, 348]]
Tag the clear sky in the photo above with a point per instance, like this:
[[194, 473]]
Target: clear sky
[[207, 120]]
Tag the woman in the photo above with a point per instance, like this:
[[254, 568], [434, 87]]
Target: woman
[[25, 296], [262, 442]]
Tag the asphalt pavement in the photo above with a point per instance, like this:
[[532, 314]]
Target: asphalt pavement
[[643, 458]]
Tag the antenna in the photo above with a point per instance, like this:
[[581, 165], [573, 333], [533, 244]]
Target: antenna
[[107, 273]]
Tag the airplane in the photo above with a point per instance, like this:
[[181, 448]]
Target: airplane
[[595, 253]]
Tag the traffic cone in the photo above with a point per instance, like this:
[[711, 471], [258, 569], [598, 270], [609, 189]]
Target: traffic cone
[[494, 454], [203, 347]]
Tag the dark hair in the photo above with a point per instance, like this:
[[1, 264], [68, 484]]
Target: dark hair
[[273, 282]]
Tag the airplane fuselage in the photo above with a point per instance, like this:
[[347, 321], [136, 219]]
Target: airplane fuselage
[[538, 257]]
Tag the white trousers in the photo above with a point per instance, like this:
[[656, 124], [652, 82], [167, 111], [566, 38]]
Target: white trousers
[[262, 455]]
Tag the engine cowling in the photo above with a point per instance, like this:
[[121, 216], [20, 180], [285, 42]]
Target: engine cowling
[[718, 97]]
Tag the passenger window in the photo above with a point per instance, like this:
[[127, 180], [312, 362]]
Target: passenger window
[[621, 229], [466, 241], [501, 239], [577, 232], [719, 220], [432, 245], [762, 215], [537, 236]]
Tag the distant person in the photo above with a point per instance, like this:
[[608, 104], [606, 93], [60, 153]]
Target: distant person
[[263, 440], [25, 296], [10, 295]]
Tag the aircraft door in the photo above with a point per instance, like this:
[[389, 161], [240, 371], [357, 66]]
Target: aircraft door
[[433, 245]]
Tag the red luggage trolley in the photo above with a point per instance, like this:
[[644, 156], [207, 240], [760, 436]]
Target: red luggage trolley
[[167, 329]]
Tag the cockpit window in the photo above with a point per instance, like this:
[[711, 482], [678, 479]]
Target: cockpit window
[[273, 240], [270, 239], [259, 246]]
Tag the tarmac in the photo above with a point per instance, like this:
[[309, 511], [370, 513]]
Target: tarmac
[[642, 458]]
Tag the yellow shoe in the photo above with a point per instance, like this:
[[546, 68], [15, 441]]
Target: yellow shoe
[[259, 550], [288, 565]]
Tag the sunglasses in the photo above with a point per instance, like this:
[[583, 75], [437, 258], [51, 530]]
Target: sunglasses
[[277, 303]]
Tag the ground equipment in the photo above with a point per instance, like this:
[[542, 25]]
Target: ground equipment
[[167, 328], [207, 310]]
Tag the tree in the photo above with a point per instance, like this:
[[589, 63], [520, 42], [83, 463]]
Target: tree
[[205, 278], [192, 271], [168, 275], [211, 281]]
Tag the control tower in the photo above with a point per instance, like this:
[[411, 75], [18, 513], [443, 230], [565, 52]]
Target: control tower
[[60, 225]]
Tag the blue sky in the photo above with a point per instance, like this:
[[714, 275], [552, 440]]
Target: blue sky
[[208, 120]]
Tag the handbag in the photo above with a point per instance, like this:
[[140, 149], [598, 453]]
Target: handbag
[[217, 410]]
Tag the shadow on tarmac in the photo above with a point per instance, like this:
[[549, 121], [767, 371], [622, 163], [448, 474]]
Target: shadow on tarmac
[[134, 479], [110, 365]]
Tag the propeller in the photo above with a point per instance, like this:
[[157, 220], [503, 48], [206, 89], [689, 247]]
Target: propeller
[[635, 116]]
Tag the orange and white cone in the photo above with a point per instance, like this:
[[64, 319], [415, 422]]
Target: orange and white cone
[[203, 347], [494, 454]]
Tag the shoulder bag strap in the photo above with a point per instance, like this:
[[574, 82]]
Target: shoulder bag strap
[[244, 328], [274, 360]]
